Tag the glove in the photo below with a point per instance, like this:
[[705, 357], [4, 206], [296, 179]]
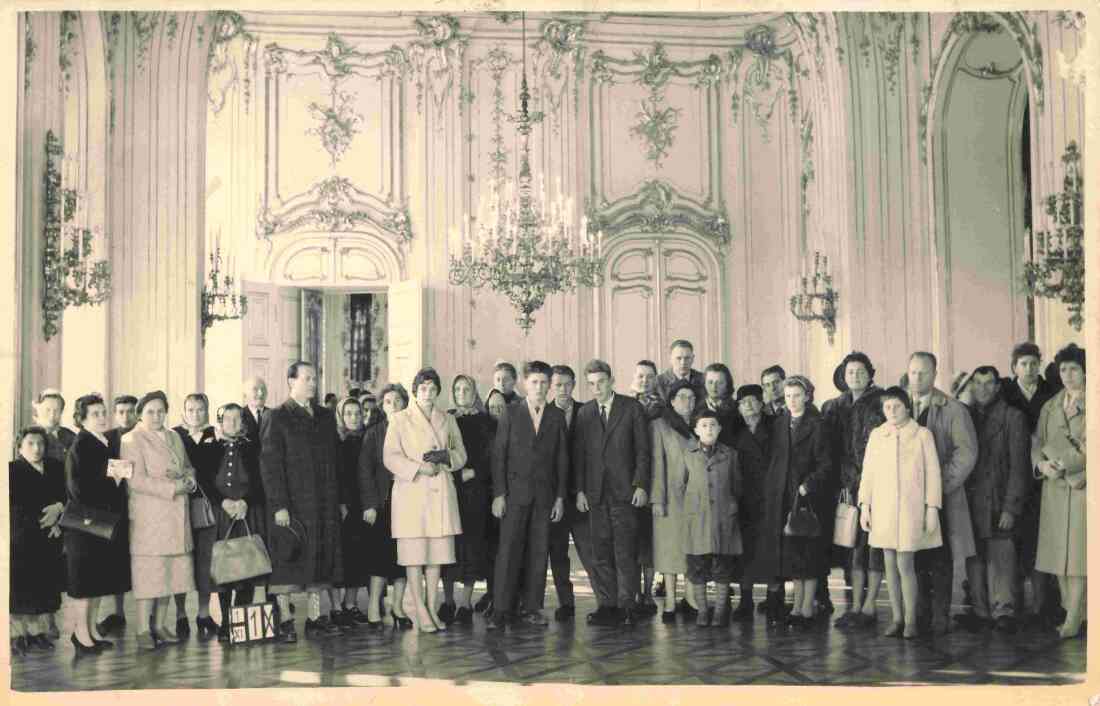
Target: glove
[[441, 456]]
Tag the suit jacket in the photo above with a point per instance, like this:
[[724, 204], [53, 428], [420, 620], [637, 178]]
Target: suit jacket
[[616, 460], [251, 426], [1014, 396], [667, 377], [570, 434], [529, 467], [160, 520]]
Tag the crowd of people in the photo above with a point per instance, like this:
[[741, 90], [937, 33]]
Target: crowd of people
[[682, 475]]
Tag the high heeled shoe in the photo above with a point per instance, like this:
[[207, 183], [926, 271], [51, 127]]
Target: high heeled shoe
[[81, 648], [402, 622]]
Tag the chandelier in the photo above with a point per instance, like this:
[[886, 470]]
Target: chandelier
[[1054, 267], [523, 248], [220, 300], [815, 299]]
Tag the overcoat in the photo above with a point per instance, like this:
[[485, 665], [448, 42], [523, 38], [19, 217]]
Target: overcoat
[[957, 446], [160, 520], [37, 573], [753, 453], [901, 476], [667, 492], [711, 525], [1001, 478], [423, 506], [1063, 520], [799, 456], [96, 567], [300, 467]]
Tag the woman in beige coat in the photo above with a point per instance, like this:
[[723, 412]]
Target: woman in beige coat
[[900, 493], [672, 436], [423, 446], [1058, 454], [160, 521]]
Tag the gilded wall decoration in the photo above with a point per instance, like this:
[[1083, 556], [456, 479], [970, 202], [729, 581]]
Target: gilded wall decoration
[[67, 46], [232, 59], [658, 207], [145, 24], [435, 59], [559, 54], [335, 204], [339, 123], [885, 31], [772, 70], [806, 130]]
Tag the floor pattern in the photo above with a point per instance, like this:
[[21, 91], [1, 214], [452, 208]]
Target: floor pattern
[[572, 652]]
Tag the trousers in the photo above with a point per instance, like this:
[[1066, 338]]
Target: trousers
[[935, 575], [614, 528], [523, 551], [992, 576], [576, 523]]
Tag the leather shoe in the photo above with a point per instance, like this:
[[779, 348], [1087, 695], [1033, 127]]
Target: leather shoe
[[534, 617], [564, 613], [321, 628], [111, 624], [446, 613], [604, 616], [483, 603], [668, 616], [41, 642], [464, 616], [287, 633]]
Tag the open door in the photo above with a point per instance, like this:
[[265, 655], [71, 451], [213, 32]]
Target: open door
[[405, 331], [272, 335]]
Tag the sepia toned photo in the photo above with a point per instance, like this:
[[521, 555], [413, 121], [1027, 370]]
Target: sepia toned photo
[[382, 347]]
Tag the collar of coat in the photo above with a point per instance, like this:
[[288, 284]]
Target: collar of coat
[[905, 431], [721, 451]]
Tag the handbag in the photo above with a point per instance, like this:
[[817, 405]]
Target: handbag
[[801, 521], [202, 512], [846, 529], [90, 520], [239, 559]]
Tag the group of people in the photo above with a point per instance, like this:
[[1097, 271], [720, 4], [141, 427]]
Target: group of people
[[682, 475]]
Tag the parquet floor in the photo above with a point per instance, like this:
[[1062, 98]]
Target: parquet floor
[[649, 653]]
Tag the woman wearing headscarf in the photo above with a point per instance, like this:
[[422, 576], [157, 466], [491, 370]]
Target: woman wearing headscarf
[[37, 494], [160, 522], [96, 567], [1058, 455], [349, 425], [200, 441], [798, 472], [474, 483], [672, 435], [376, 498], [495, 404], [423, 448]]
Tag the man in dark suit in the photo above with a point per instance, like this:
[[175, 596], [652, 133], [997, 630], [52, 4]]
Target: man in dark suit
[[255, 395], [681, 356], [611, 460], [562, 383], [530, 479], [771, 380]]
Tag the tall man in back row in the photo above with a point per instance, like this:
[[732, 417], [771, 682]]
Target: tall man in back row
[[681, 355], [611, 459]]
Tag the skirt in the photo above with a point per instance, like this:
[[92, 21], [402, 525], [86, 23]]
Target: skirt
[[353, 535], [425, 551], [471, 549], [162, 576], [644, 537], [97, 567], [379, 556]]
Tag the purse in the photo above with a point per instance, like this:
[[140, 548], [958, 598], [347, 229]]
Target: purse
[[846, 529], [239, 559], [90, 520], [202, 512], [801, 521]]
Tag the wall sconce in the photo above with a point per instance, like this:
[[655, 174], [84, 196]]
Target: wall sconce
[[220, 301], [815, 299]]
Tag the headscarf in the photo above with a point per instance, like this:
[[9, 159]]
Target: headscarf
[[340, 428], [477, 407], [489, 398]]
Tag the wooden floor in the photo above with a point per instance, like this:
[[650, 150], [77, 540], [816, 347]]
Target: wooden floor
[[649, 653]]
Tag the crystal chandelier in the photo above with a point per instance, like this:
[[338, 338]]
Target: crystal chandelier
[[525, 249], [814, 299]]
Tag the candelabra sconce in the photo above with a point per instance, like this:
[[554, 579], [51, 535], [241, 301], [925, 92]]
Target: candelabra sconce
[[1054, 263], [815, 299], [220, 301]]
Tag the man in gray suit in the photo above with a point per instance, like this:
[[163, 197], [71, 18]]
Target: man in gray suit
[[957, 448]]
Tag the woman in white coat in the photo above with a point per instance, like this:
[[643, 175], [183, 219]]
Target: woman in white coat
[[900, 494], [160, 521], [423, 446]]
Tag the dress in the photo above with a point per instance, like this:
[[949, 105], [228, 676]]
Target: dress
[[376, 491], [471, 549], [37, 571], [352, 529], [204, 456], [670, 444], [96, 567]]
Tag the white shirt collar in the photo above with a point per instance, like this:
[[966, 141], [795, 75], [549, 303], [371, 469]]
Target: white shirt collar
[[607, 404]]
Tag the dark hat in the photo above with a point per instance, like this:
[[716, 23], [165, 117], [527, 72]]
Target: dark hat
[[287, 543], [750, 391], [838, 377], [680, 385]]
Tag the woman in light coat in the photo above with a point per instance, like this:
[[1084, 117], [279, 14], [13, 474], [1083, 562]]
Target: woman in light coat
[[423, 448], [900, 493], [1058, 454], [672, 436], [160, 522]]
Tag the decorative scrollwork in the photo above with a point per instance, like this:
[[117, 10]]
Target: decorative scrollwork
[[335, 204], [760, 83], [436, 57], [339, 123], [657, 207]]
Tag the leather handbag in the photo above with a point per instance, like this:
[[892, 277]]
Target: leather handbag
[[846, 529], [90, 520], [202, 512], [240, 558], [801, 520]]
